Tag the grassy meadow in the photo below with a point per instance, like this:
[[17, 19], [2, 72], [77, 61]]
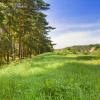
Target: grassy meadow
[[51, 76]]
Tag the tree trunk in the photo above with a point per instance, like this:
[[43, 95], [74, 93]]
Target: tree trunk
[[20, 46], [8, 57]]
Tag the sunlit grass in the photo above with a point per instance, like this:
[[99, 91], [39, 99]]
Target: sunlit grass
[[51, 77]]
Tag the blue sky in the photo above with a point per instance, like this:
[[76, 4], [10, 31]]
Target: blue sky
[[76, 21]]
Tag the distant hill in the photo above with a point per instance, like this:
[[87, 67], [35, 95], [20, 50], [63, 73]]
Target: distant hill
[[84, 49]]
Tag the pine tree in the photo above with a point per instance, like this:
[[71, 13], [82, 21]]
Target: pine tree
[[23, 29]]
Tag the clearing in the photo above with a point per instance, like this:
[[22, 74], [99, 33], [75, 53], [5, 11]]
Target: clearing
[[51, 77]]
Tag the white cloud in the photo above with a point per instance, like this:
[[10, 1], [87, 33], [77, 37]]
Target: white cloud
[[69, 33], [74, 38], [67, 26]]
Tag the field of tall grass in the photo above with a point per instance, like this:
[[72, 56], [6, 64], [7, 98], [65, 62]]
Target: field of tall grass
[[51, 77]]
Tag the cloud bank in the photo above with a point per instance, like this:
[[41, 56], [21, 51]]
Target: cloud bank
[[75, 34]]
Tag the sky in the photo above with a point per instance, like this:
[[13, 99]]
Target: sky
[[77, 22]]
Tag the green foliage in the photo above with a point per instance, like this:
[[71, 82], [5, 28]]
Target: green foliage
[[97, 52], [23, 29], [51, 77], [81, 49], [63, 52]]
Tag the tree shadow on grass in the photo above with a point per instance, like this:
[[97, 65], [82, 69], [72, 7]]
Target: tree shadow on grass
[[52, 58], [88, 57], [47, 59]]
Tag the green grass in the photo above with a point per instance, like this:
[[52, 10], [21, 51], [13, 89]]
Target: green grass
[[51, 77]]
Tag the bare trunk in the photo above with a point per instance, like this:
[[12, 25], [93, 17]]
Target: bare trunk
[[7, 57]]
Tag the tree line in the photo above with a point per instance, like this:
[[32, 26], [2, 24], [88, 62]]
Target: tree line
[[23, 29]]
